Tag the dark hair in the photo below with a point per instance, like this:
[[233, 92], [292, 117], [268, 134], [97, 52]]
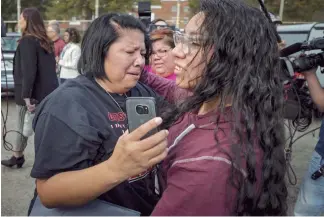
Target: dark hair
[[163, 34], [244, 67], [158, 20], [74, 35], [98, 38], [148, 48], [35, 27]]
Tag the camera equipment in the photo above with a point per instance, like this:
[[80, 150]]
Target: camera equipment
[[304, 62], [299, 108], [318, 173], [144, 13]]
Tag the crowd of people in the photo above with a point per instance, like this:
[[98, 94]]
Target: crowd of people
[[219, 149]]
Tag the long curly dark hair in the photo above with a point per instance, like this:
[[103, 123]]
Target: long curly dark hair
[[244, 67], [35, 27]]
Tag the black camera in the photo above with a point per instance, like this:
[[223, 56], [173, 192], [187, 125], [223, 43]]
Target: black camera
[[142, 109], [304, 62], [144, 13]]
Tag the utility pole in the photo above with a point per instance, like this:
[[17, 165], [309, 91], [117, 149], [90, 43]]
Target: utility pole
[[97, 8], [18, 13], [282, 4], [178, 14]]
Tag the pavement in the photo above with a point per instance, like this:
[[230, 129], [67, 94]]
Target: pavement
[[17, 186]]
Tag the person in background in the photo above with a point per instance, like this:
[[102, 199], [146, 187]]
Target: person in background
[[226, 136], [162, 62], [160, 23], [70, 55], [53, 32], [34, 77], [310, 201]]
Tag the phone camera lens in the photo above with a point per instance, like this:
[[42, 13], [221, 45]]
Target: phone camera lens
[[142, 109]]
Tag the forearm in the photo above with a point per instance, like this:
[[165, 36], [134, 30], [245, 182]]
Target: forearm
[[71, 65], [79, 187], [316, 91], [164, 87], [27, 85]]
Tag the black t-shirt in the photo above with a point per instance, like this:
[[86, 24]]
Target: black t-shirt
[[77, 126]]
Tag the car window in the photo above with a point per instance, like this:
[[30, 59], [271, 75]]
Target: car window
[[9, 43], [6, 64], [292, 38]]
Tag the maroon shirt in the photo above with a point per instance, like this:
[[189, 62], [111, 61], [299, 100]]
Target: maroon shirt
[[198, 171], [59, 44]]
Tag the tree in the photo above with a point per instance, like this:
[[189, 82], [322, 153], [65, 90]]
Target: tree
[[9, 7], [84, 9], [294, 10]]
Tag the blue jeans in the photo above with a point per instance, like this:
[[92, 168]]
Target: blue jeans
[[311, 195]]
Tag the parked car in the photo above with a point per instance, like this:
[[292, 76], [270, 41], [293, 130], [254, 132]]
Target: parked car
[[8, 46], [303, 32]]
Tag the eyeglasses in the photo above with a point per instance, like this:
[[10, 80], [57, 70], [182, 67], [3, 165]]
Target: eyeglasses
[[153, 27], [161, 53], [187, 43]]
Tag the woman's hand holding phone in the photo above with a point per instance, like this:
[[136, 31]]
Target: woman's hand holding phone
[[133, 156]]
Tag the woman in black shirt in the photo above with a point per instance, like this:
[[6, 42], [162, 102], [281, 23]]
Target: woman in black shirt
[[34, 77], [81, 149]]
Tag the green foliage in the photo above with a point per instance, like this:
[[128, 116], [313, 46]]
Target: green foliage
[[294, 10]]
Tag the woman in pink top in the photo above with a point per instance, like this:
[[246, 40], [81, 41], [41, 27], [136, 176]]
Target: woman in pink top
[[161, 59], [226, 134]]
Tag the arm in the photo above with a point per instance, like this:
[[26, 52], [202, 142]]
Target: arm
[[199, 187], [164, 87], [66, 189], [73, 62], [28, 61], [64, 161], [315, 89]]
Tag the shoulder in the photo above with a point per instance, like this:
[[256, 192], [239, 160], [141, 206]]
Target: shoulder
[[59, 43], [28, 40], [74, 93], [77, 103], [75, 47], [145, 90]]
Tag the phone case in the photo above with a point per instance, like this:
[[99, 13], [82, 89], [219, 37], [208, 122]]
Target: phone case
[[136, 119]]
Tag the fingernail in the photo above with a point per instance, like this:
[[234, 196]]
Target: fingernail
[[158, 120], [166, 132]]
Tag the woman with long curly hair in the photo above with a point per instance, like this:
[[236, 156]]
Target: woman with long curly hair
[[226, 136], [34, 77]]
